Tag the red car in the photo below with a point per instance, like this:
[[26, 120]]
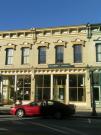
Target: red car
[[30, 109]]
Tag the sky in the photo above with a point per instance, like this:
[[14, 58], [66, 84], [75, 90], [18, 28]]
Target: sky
[[26, 14]]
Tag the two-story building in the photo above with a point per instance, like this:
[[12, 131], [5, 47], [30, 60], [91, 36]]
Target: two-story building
[[59, 63]]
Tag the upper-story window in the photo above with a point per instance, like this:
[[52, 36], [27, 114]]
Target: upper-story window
[[77, 53], [98, 52], [42, 55], [59, 54], [25, 55], [9, 56]]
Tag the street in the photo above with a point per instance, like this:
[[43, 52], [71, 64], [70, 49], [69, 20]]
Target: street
[[39, 126]]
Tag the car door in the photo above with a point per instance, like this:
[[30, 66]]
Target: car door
[[33, 109]]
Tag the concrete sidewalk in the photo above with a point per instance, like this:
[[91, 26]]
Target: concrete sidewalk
[[88, 113]]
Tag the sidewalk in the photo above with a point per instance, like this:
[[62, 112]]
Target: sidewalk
[[87, 113]]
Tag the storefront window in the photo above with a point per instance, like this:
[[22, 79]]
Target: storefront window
[[7, 92], [96, 78], [76, 88], [42, 87], [23, 87]]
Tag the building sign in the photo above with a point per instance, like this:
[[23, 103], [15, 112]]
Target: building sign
[[60, 65]]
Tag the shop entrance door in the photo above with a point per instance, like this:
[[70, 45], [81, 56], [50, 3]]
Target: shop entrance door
[[59, 87], [97, 95], [59, 93]]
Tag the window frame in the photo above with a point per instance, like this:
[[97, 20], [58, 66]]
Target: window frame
[[9, 56], [75, 90], [59, 54], [25, 57], [42, 55], [98, 53], [77, 55]]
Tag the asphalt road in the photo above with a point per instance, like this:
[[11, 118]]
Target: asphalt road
[[10, 125]]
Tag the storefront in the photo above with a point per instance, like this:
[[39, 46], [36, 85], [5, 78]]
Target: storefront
[[64, 87], [69, 85], [14, 87]]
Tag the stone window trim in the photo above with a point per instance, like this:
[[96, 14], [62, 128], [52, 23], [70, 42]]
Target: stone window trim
[[60, 43], [78, 42], [26, 45], [9, 45], [42, 44]]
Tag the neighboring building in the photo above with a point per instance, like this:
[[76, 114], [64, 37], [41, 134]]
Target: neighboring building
[[55, 63]]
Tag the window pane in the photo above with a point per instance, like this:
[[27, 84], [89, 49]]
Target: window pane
[[73, 94], [42, 55], [80, 94], [99, 57], [25, 55], [98, 52], [99, 48], [77, 53], [42, 84], [77, 88], [96, 78], [9, 56], [59, 54], [80, 80], [24, 87], [73, 81]]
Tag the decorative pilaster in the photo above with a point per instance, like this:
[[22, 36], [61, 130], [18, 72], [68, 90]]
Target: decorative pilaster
[[51, 91], [67, 90]]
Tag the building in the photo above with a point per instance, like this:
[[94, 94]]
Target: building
[[60, 63]]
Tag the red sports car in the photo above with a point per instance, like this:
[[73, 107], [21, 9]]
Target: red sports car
[[30, 109]]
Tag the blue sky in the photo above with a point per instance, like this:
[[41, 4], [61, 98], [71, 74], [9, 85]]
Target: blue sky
[[25, 14]]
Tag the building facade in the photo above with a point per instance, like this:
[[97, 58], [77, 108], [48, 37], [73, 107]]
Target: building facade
[[59, 63]]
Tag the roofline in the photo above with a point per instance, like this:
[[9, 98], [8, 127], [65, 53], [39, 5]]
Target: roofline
[[53, 27]]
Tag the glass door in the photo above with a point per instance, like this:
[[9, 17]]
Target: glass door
[[59, 87], [97, 94]]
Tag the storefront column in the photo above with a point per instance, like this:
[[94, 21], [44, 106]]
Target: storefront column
[[67, 90], [1, 91], [32, 88], [15, 84], [51, 91], [15, 89], [88, 90]]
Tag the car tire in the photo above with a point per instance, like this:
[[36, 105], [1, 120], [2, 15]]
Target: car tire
[[20, 113], [57, 115]]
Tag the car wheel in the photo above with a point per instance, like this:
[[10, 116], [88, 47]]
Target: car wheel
[[58, 115], [20, 113]]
